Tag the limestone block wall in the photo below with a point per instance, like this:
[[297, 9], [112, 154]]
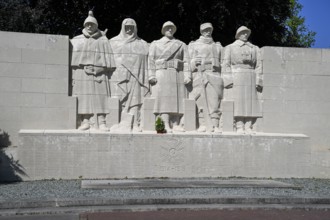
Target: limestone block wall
[[34, 83], [34, 94], [297, 98]]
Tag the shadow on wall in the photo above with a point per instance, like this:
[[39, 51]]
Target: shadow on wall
[[10, 169]]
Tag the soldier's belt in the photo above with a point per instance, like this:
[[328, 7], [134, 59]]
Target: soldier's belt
[[207, 66], [175, 64], [241, 66]]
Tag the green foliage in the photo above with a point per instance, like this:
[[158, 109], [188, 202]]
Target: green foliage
[[13, 169], [269, 20], [16, 15], [4, 139], [297, 34], [159, 124]]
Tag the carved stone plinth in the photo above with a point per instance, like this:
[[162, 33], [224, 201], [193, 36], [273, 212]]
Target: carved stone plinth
[[114, 116], [190, 115], [227, 109], [148, 115], [46, 154]]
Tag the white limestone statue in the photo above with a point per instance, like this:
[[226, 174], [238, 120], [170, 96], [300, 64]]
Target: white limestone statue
[[207, 83], [92, 60], [242, 60], [168, 73], [129, 82]]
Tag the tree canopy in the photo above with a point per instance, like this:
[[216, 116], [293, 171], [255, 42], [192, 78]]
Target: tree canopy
[[273, 22], [298, 34]]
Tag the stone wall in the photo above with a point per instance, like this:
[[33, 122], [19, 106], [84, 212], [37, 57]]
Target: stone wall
[[33, 91], [297, 98], [34, 94], [34, 83]]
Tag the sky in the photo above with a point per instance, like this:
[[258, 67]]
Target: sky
[[317, 18]]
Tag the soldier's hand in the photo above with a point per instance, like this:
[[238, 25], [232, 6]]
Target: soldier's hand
[[259, 88], [89, 70], [229, 86], [198, 61], [98, 69], [152, 81], [186, 81]]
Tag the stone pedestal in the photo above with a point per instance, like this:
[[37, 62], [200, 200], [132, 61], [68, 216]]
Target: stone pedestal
[[148, 117], [227, 117], [47, 154], [113, 117], [190, 115]]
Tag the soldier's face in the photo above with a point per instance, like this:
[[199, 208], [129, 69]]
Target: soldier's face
[[91, 27], [129, 29], [244, 36], [169, 31], [207, 32]]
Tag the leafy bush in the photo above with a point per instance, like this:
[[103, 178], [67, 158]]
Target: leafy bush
[[159, 124]]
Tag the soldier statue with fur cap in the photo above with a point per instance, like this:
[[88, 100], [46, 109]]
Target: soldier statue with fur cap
[[205, 55], [92, 61]]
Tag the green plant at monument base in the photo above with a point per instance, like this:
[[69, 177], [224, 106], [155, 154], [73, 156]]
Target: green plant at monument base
[[159, 125]]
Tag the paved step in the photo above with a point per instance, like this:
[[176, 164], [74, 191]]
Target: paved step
[[183, 183], [82, 211], [188, 200]]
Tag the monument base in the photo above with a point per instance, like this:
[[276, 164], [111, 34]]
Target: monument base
[[72, 154]]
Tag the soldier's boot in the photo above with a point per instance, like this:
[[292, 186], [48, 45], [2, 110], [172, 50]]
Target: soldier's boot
[[177, 125], [85, 124], [215, 122], [166, 119], [240, 126], [249, 126], [201, 122], [137, 128], [136, 120], [102, 123]]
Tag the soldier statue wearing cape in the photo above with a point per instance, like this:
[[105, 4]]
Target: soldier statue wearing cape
[[129, 81], [92, 61]]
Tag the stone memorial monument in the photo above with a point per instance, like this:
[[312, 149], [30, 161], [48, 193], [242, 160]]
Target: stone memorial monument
[[125, 78], [92, 62], [242, 61], [205, 64], [168, 74], [129, 81]]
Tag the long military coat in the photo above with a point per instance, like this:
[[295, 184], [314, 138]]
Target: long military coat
[[92, 90], [242, 60], [168, 63]]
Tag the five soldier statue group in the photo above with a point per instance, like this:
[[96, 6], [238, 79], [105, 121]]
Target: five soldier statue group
[[128, 68]]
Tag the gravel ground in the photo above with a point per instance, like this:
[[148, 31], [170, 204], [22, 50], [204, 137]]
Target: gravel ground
[[70, 189]]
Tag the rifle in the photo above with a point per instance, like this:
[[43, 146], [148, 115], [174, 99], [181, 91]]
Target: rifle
[[126, 117]]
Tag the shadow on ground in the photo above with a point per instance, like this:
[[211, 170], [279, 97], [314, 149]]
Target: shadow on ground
[[10, 169]]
